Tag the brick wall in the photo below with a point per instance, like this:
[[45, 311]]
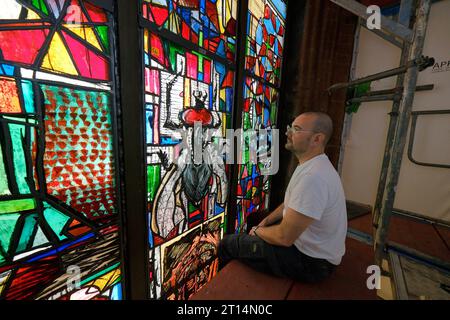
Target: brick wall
[[319, 47]]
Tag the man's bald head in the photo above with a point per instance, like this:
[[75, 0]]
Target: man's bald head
[[322, 123]]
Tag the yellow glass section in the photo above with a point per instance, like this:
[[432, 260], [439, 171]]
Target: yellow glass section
[[107, 279], [32, 15], [146, 40], [3, 280], [86, 33], [57, 58]]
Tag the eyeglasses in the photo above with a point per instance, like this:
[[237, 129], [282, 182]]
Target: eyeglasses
[[296, 130]]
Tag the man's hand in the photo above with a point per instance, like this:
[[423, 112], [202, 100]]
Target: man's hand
[[252, 231], [286, 232]]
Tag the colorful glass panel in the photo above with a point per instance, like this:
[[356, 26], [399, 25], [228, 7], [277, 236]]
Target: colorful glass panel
[[259, 112], [263, 63], [266, 21], [58, 206], [186, 201], [210, 24]]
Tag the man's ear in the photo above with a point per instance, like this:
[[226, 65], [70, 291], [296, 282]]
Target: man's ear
[[316, 138], [319, 138]]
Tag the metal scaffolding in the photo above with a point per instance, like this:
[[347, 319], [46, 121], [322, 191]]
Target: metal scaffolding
[[408, 32]]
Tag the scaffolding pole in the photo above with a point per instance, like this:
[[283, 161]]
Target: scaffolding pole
[[399, 141], [405, 19]]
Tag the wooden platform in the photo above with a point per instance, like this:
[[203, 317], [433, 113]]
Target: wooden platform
[[239, 282], [414, 234]]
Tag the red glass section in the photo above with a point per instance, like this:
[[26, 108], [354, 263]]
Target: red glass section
[[96, 14], [22, 46], [159, 14], [90, 64]]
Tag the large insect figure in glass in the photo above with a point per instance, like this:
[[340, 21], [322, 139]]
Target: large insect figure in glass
[[189, 177]]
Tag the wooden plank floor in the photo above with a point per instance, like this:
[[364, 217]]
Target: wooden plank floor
[[238, 282]]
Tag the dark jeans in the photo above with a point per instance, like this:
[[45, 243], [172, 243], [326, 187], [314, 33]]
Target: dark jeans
[[287, 262]]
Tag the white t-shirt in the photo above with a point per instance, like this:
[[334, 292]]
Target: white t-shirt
[[315, 190]]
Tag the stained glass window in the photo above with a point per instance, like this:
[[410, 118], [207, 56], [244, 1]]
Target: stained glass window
[[58, 200], [263, 61], [210, 24], [265, 39], [186, 201]]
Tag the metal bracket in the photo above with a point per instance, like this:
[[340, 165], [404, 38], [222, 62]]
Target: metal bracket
[[421, 63], [394, 94], [394, 97], [414, 116]]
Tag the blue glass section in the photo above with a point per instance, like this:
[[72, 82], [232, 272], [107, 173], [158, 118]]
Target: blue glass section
[[219, 209], [211, 95], [149, 123], [169, 141], [52, 252], [116, 293], [220, 68], [6, 70], [280, 7], [229, 102], [221, 48], [266, 117], [185, 14]]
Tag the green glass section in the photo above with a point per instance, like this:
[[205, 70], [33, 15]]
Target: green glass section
[[28, 96], [20, 167], [39, 238], [4, 189], [222, 105], [174, 50], [27, 233], [192, 208], [200, 39], [2, 259], [229, 120], [101, 273], [56, 220], [103, 34], [247, 122], [225, 224], [40, 5], [7, 226], [232, 47], [200, 62], [153, 180], [247, 47], [273, 114], [11, 206]]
